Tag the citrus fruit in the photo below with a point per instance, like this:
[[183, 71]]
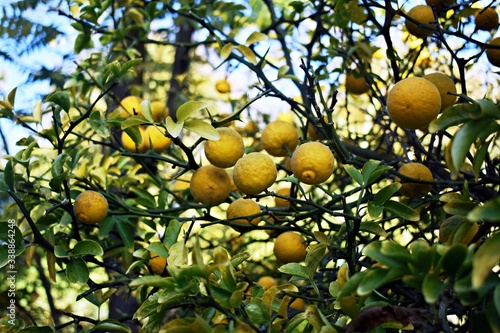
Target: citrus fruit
[[425, 17], [267, 281], [130, 105], [131, 146], [439, 3], [279, 137], [281, 202], [413, 103], [240, 209], [210, 185], [156, 139], [486, 19], [180, 184], [222, 86], [90, 207], [226, 151], [298, 304], [356, 84], [290, 247], [157, 264], [444, 84], [312, 163], [493, 55], [159, 111], [416, 171], [254, 173]]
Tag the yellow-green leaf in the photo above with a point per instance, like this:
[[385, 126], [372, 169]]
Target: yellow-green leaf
[[255, 37], [486, 257], [247, 53], [203, 129]]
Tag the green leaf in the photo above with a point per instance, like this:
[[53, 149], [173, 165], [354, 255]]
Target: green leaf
[[368, 168], [247, 53], [134, 121], [128, 65], [354, 173], [153, 281], [125, 233], [158, 249], [87, 247], [489, 212], [488, 109], [373, 228], [466, 135], [83, 41], [486, 257], [374, 210], [255, 37], [111, 325], [459, 207], [3, 186], [8, 175], [388, 253], [173, 128], [203, 129], [58, 165], [77, 271], [454, 258], [60, 98], [60, 252], [453, 116], [386, 193], [226, 51], [295, 269], [37, 112], [98, 124], [401, 210], [376, 278], [283, 71], [146, 110], [12, 96], [432, 288], [187, 109], [172, 233], [135, 134], [36, 329], [479, 158]]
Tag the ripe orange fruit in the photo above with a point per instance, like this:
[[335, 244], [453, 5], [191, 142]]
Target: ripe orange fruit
[[254, 173], [298, 304], [157, 263], [131, 146], [486, 19], [356, 83], [130, 105], [417, 171], [312, 163], [222, 86], [90, 207], [210, 185], [226, 151], [279, 137], [240, 209], [445, 85], [493, 55], [281, 202], [290, 247], [267, 281], [425, 16], [413, 102]]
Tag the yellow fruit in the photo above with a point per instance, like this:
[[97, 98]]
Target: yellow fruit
[[90, 207], [130, 105], [240, 209], [222, 86], [159, 111], [486, 19], [312, 163], [444, 84], [280, 202], [156, 138], [157, 264], [356, 84], [439, 3], [130, 145], [225, 152], [417, 171], [413, 103], [290, 247], [210, 185], [494, 54], [251, 128], [267, 281], [254, 173], [425, 16], [298, 304], [279, 137], [180, 185]]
